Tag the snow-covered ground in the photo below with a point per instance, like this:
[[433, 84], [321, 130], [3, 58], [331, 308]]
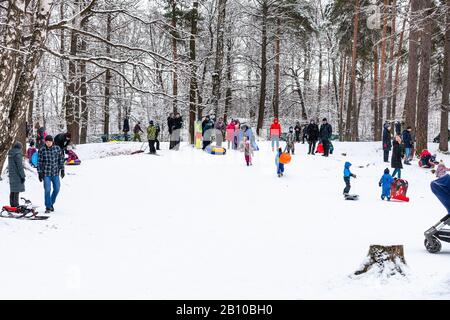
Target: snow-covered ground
[[189, 225]]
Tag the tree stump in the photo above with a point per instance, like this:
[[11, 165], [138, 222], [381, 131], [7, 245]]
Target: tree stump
[[389, 260]]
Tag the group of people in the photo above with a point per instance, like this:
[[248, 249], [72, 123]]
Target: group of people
[[312, 133], [50, 165]]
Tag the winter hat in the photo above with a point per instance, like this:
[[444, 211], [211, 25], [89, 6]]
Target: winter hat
[[151, 122], [49, 138], [31, 143], [324, 119], [386, 171]]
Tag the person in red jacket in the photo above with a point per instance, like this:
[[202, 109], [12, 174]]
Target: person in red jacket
[[275, 133]]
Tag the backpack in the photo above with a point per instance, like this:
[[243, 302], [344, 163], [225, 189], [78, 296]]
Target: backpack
[[34, 159]]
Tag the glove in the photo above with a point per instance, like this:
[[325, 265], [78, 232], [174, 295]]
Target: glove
[[22, 180], [353, 175], [385, 146], [41, 176], [62, 174], [379, 184]]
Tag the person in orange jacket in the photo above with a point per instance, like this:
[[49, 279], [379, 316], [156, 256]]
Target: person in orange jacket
[[275, 133]]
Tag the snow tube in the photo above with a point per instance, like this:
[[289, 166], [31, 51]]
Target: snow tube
[[73, 162], [215, 150], [285, 158]]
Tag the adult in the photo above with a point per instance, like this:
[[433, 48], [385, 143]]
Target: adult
[[407, 142], [62, 140], [387, 145], [325, 133], [237, 134], [176, 131], [207, 126], [40, 135], [16, 174], [50, 166], [137, 130], [312, 132], [229, 137], [126, 128], [170, 121], [220, 130], [398, 128], [151, 136], [275, 134], [397, 155], [158, 130], [305, 134], [298, 130]]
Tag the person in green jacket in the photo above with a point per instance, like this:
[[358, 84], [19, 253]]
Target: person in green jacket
[[151, 136]]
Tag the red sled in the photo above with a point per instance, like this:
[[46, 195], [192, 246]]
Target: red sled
[[320, 148], [398, 190]]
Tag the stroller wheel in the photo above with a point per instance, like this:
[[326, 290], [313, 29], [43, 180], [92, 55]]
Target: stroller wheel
[[433, 246]]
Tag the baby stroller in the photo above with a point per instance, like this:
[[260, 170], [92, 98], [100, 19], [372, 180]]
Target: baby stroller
[[26, 211], [436, 233]]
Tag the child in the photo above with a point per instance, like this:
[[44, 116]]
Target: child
[[386, 182], [31, 150], [441, 170], [248, 150], [290, 141], [347, 175], [280, 166]]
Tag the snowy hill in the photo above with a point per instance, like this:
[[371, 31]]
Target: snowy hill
[[189, 225]]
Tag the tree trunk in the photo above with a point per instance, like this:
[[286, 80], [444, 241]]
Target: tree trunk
[[413, 61], [14, 103], [377, 125], [108, 76], [382, 67], [71, 106], [276, 91], [342, 98], [424, 80], [83, 90], [351, 110], [389, 260], [443, 144], [389, 113], [228, 92], [174, 57], [193, 88], [262, 93], [397, 69], [217, 74]]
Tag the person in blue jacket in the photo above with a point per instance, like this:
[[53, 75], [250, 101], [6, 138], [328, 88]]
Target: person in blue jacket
[[386, 182], [408, 143], [280, 166], [347, 175]]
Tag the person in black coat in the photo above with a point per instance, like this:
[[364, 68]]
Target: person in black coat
[[158, 130], [298, 130], [16, 174], [386, 141], [407, 143], [207, 126], [176, 130], [126, 128], [325, 135], [305, 134], [312, 133], [62, 140], [397, 155], [170, 120]]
